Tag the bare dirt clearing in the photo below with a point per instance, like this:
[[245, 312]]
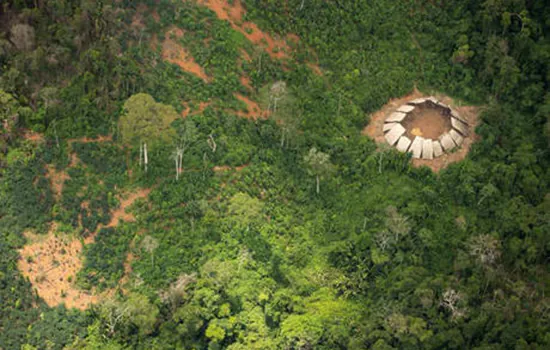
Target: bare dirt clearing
[[221, 168], [57, 179], [100, 138], [254, 111], [33, 136], [245, 81], [233, 13], [426, 121], [469, 113], [174, 53], [187, 111], [52, 261], [121, 214]]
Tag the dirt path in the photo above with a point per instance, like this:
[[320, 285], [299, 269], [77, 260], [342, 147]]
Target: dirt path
[[316, 69], [245, 81], [58, 177], [246, 56], [220, 168], [120, 213], [123, 282], [187, 111], [470, 113], [100, 138], [254, 111], [57, 180], [33, 136], [52, 261], [174, 53], [233, 13]]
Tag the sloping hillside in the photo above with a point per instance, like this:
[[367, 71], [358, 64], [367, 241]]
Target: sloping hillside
[[238, 174]]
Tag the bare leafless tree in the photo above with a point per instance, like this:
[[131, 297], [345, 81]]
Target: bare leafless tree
[[149, 244], [397, 223], [113, 313], [383, 150], [175, 293], [485, 248], [450, 300], [277, 92], [22, 35], [384, 239], [397, 226], [212, 143]]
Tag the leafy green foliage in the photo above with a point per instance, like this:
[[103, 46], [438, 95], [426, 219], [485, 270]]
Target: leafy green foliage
[[25, 197], [146, 121], [104, 263], [386, 256], [85, 201]]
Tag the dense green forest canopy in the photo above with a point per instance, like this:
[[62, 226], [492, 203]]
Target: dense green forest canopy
[[205, 161]]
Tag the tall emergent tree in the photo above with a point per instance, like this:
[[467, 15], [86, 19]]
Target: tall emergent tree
[[318, 164], [146, 122], [187, 135], [280, 101]]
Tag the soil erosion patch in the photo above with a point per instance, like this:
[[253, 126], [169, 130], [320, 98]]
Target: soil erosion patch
[[52, 261]]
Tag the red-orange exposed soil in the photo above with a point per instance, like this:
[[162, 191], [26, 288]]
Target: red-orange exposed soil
[[74, 160], [469, 113], [137, 20], [186, 110], [315, 68], [202, 106], [101, 138], [57, 179], [155, 16], [33, 136], [127, 271], [245, 81], [120, 213], [246, 56], [50, 261], [219, 168], [233, 13], [174, 53], [253, 109]]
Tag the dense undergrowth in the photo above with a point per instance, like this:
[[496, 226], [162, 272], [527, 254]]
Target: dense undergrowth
[[384, 255]]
